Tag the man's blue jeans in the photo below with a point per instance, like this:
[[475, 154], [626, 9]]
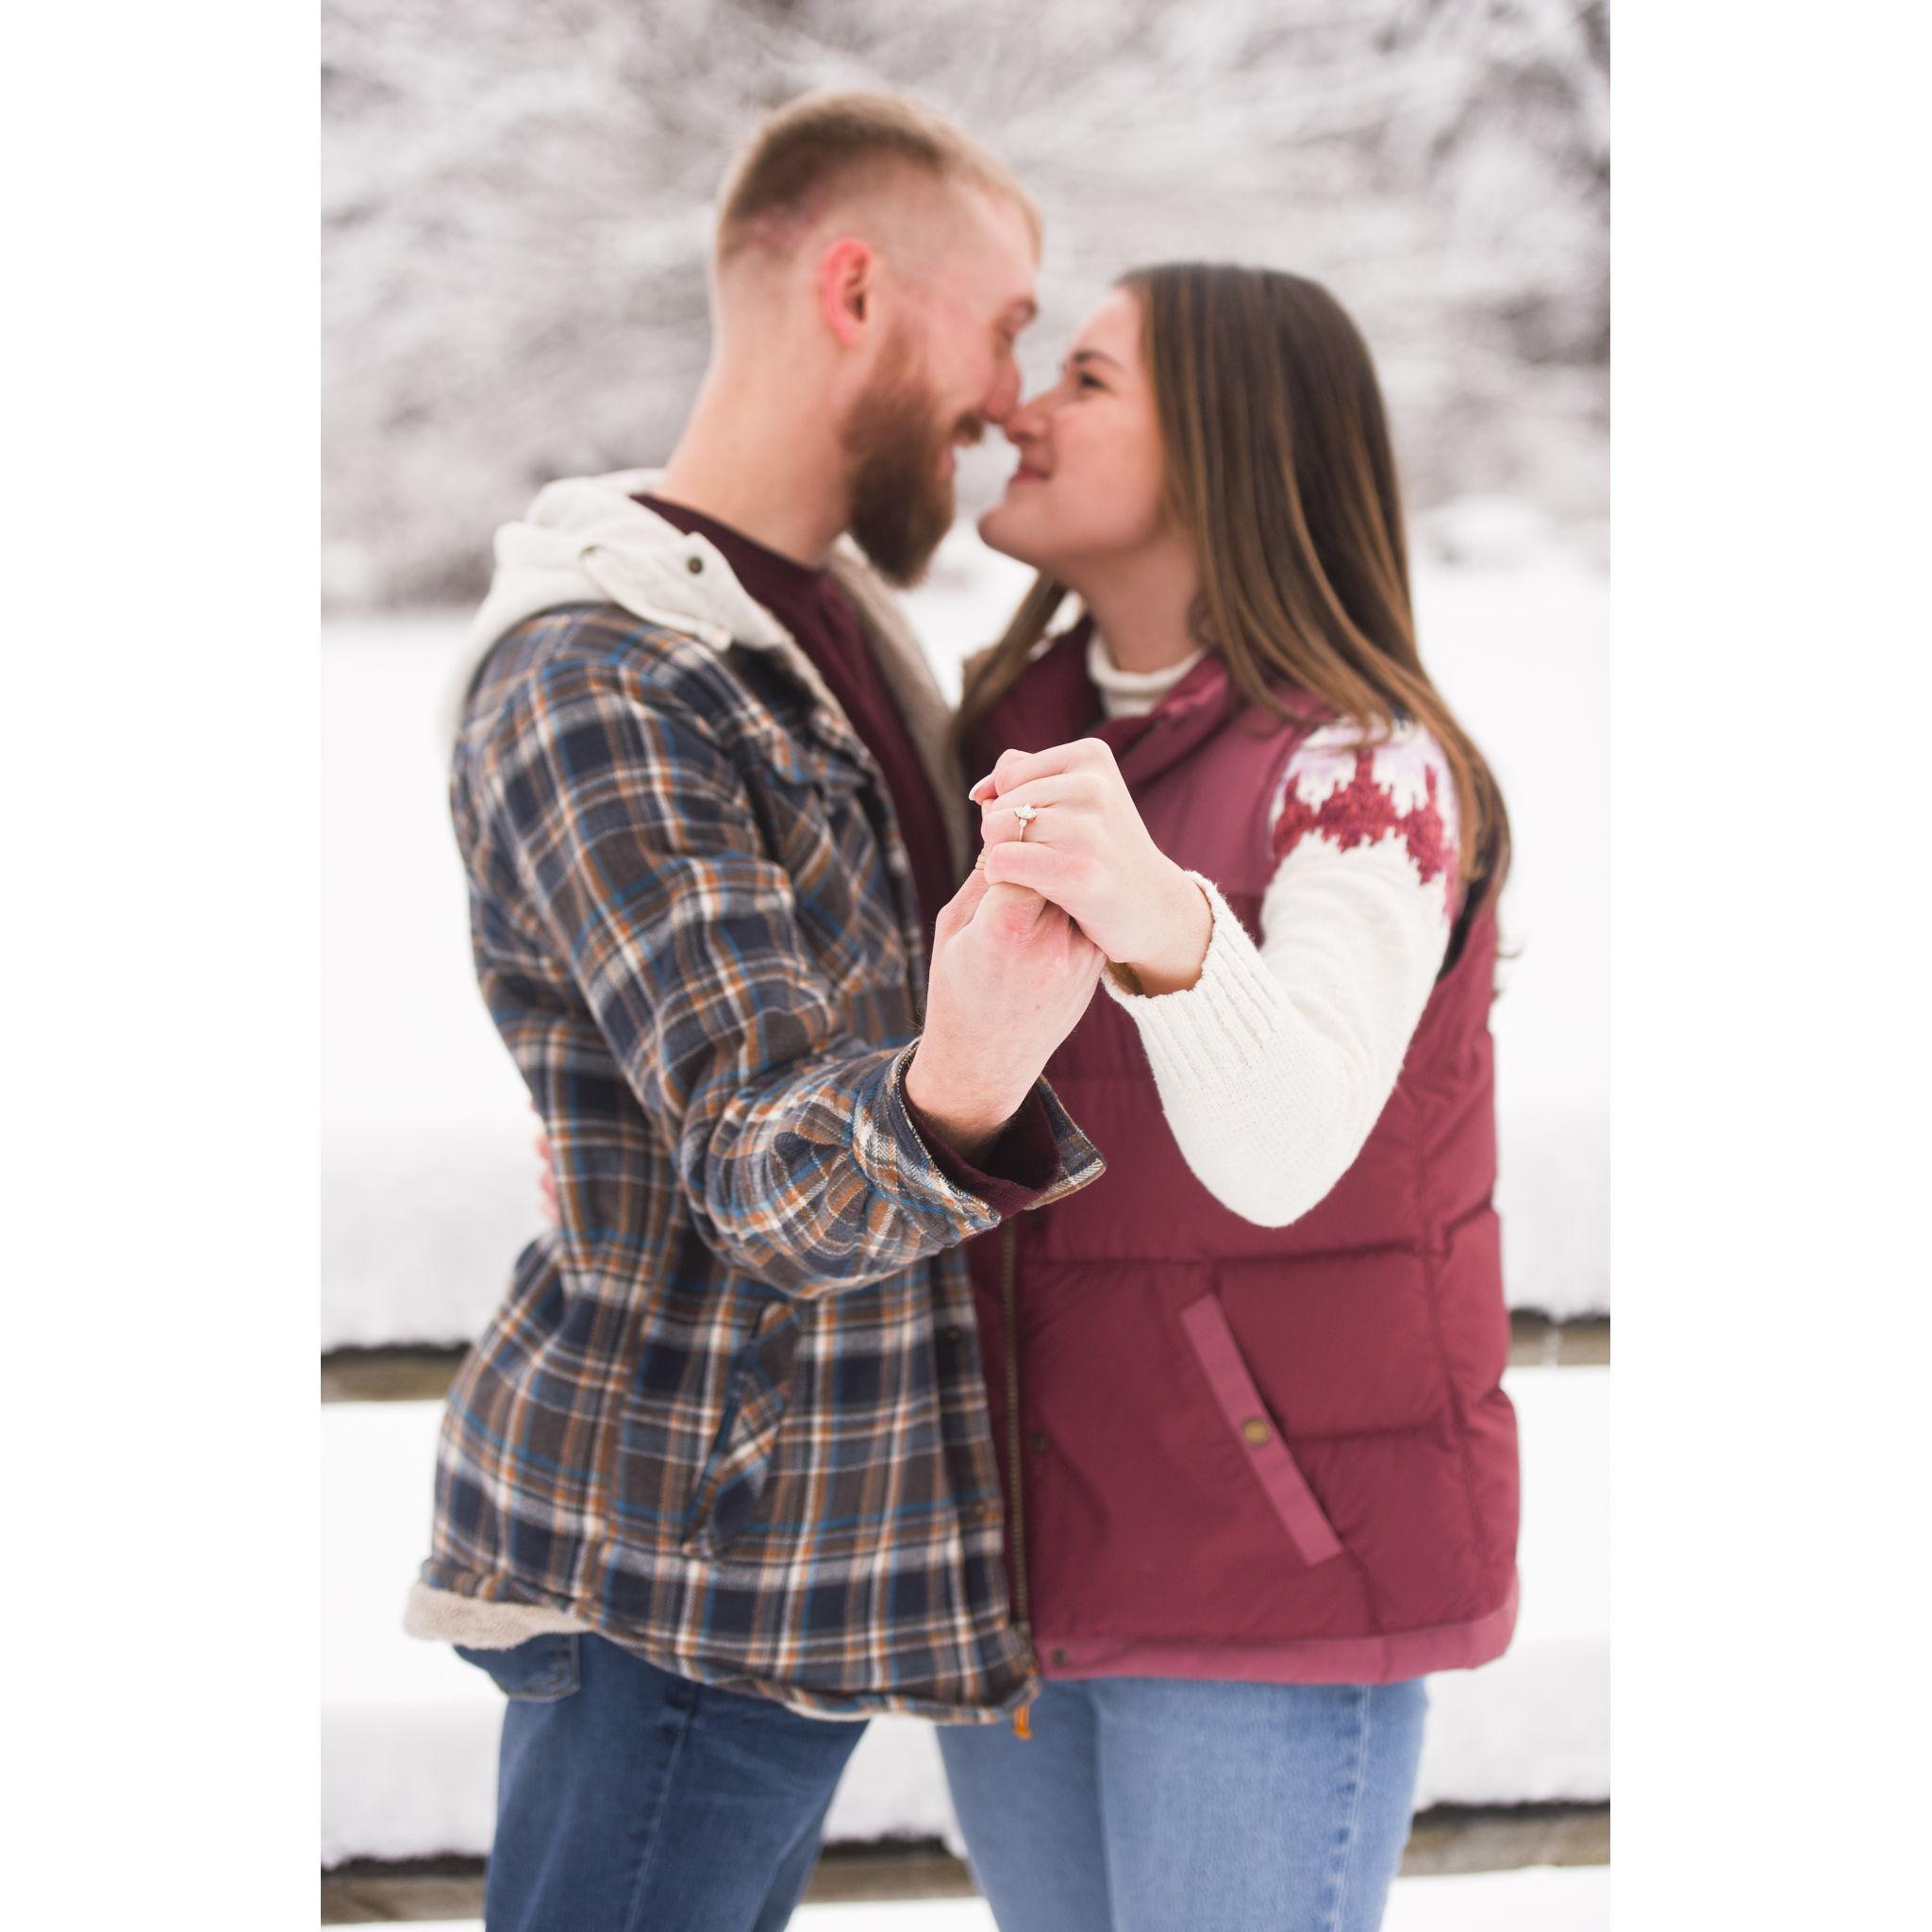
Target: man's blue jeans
[[630, 1800], [1153, 1804]]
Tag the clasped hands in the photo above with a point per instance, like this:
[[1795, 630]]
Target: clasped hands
[[1086, 850], [1018, 949]]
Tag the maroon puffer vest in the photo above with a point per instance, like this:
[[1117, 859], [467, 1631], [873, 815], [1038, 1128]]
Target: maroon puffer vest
[[1232, 1451]]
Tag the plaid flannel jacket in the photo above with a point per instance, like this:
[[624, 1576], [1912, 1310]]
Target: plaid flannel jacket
[[731, 1412]]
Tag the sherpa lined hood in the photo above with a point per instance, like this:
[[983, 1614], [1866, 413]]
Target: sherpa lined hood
[[588, 540]]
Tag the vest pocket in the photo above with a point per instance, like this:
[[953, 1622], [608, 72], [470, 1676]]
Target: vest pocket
[[1255, 1429]]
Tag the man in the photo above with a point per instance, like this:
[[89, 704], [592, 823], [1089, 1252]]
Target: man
[[718, 1474]]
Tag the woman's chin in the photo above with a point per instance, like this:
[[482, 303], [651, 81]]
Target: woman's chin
[[1001, 530]]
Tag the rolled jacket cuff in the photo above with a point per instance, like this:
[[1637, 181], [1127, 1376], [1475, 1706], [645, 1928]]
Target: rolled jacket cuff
[[1014, 1172]]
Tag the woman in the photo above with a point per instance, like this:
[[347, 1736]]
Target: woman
[[1260, 1473]]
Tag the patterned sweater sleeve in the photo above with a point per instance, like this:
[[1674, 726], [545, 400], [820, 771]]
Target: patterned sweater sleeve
[[1275, 1064], [628, 832]]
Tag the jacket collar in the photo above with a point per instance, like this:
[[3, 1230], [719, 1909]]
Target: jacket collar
[[586, 539]]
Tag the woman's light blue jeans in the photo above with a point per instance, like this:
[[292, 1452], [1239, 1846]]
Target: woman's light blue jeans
[[1180, 1805]]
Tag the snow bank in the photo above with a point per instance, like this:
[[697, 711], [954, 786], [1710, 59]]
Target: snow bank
[[409, 1730], [428, 1181]]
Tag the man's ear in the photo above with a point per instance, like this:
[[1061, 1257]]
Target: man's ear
[[845, 295]]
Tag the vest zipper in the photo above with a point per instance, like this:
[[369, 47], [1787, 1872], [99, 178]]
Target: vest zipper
[[1016, 1501]]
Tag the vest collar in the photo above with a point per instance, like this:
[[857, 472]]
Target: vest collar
[[1055, 700]]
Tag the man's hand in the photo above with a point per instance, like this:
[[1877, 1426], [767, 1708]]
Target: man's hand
[[1010, 978]]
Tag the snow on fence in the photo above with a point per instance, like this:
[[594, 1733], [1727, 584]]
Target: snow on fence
[[409, 1730]]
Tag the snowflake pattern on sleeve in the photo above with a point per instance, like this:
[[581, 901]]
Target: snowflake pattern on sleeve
[[1353, 797]]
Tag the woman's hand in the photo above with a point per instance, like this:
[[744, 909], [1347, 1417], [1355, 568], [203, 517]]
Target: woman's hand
[[1088, 852]]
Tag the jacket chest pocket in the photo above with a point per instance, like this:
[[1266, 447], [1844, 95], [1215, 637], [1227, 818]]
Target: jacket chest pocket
[[826, 829], [1275, 1468]]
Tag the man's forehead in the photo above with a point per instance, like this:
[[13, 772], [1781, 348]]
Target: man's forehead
[[994, 245]]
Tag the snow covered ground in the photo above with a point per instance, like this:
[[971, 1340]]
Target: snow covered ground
[[428, 1183], [1542, 1899], [409, 1730]]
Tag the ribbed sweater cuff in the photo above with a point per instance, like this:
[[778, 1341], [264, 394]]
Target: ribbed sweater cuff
[[1212, 1033]]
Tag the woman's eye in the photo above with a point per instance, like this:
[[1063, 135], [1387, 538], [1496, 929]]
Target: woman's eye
[[1085, 381]]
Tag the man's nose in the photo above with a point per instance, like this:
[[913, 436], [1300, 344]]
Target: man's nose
[[1003, 397]]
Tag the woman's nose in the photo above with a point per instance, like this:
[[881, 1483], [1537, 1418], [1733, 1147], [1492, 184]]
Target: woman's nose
[[1025, 423]]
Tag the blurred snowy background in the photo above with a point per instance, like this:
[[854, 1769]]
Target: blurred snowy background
[[516, 220], [515, 224]]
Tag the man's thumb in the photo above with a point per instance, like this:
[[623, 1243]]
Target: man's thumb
[[962, 908], [1010, 910], [965, 902]]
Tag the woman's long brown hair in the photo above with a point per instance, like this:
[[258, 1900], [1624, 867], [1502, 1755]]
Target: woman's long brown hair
[[1279, 470]]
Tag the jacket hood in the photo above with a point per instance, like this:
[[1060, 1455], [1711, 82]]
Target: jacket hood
[[586, 540]]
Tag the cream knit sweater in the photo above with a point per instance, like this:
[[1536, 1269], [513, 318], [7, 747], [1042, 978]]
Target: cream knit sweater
[[1274, 1065]]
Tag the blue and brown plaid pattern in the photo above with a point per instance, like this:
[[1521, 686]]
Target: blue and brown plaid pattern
[[731, 1412]]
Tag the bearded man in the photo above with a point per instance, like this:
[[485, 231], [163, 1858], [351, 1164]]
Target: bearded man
[[717, 1481]]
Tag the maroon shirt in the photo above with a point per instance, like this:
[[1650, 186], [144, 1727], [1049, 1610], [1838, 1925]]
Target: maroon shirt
[[813, 606]]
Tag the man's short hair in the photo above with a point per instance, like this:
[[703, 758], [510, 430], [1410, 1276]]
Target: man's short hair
[[815, 146]]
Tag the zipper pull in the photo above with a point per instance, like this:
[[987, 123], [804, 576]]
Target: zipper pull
[[1023, 1718]]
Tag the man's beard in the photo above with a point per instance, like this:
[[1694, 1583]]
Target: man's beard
[[895, 446]]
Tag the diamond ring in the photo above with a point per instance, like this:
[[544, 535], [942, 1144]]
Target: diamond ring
[[1026, 814]]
